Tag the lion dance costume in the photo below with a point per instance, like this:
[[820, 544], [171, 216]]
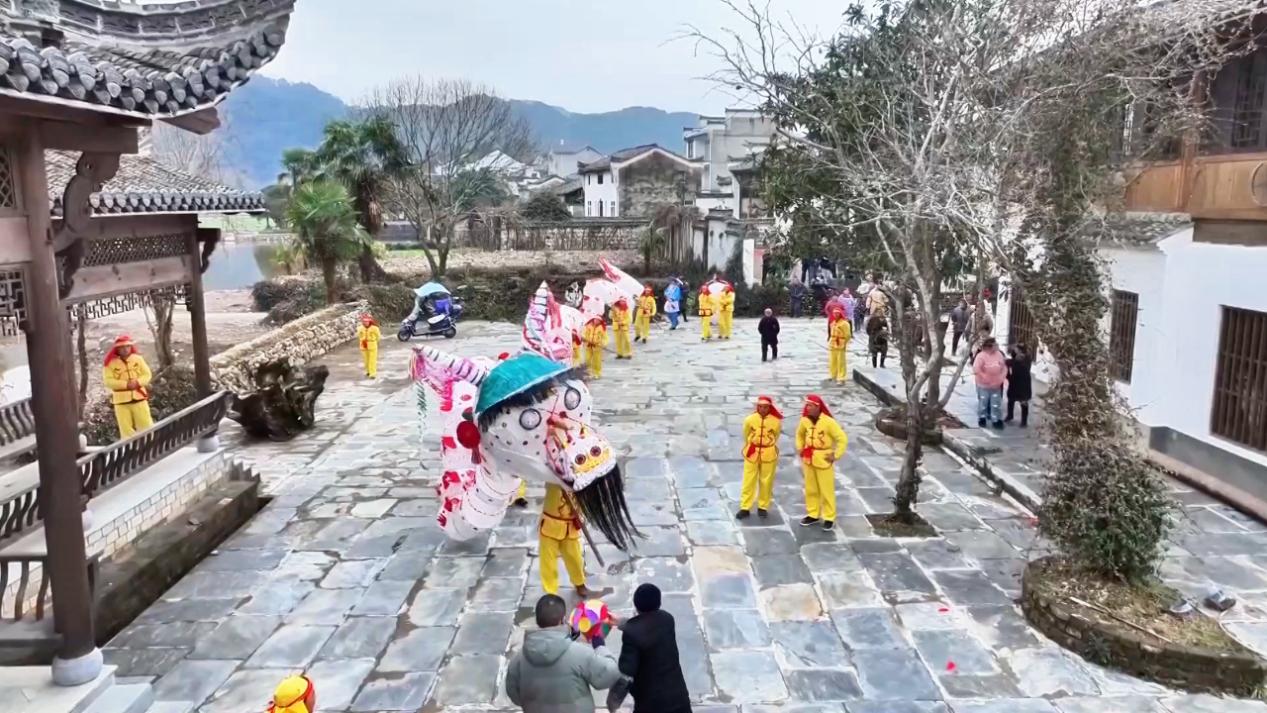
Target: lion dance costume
[[526, 416], [128, 377]]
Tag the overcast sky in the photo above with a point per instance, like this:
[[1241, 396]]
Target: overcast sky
[[583, 55]]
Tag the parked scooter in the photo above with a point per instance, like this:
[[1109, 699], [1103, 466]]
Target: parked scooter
[[436, 312]]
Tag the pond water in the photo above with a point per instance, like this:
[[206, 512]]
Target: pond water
[[239, 265]]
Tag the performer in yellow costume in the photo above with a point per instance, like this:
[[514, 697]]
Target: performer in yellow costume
[[707, 305], [576, 350], [128, 377], [726, 312], [521, 496], [294, 695], [621, 322], [595, 337], [760, 457], [560, 534], [839, 333], [821, 442], [646, 310], [369, 335]]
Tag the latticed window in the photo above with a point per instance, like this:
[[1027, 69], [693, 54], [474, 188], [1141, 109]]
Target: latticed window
[[1021, 329], [1124, 317], [1247, 114], [1240, 383], [8, 181]]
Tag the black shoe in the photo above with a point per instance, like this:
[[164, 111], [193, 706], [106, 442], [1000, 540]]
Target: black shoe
[[981, 422], [828, 525], [1008, 419], [1024, 424], [998, 425], [763, 513], [741, 515], [521, 502], [807, 521]]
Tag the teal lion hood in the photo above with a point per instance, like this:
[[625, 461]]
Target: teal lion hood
[[515, 376]]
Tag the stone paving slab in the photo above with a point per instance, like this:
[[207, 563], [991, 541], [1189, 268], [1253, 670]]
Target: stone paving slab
[[344, 574]]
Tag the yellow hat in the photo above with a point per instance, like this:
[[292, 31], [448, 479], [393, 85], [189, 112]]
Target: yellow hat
[[290, 695]]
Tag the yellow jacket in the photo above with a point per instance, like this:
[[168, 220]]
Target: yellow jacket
[[559, 521], [707, 303], [594, 336], [646, 306], [727, 302], [368, 337], [621, 319], [761, 438], [119, 372], [840, 334], [822, 438]]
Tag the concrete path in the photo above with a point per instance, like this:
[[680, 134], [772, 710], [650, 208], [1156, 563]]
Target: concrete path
[[344, 575]]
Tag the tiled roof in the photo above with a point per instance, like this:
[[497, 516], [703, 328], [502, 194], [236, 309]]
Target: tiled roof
[[1137, 228], [143, 185], [159, 60], [624, 155]]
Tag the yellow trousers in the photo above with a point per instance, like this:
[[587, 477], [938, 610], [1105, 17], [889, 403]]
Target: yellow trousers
[[370, 357], [576, 355], [725, 323], [820, 492], [596, 361], [642, 326], [624, 347], [550, 549], [837, 365], [523, 490], [133, 417], [706, 327], [757, 476]]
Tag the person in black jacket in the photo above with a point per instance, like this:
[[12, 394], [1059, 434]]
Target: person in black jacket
[[649, 656], [768, 328], [1020, 385]]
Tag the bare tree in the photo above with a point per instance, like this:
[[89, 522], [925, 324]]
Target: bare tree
[[199, 155], [446, 127], [927, 127]]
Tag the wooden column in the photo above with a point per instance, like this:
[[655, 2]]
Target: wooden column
[[198, 318], [53, 401]]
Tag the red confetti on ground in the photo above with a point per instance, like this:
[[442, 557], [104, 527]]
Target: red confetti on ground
[[943, 610], [950, 666]]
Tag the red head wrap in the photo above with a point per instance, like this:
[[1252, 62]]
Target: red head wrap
[[816, 399], [122, 341], [774, 411]]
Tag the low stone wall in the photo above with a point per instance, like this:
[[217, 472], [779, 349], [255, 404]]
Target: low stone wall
[[584, 234], [1130, 651], [300, 342]]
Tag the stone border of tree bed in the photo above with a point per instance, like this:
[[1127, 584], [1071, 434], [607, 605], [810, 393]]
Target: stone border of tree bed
[[953, 443], [301, 341], [1122, 648]]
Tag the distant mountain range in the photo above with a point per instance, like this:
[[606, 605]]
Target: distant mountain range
[[267, 116]]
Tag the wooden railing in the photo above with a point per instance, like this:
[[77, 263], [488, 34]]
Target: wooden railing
[[20, 571], [17, 421], [112, 465]]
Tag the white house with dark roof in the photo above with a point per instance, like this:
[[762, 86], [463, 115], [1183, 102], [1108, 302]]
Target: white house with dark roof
[[638, 181], [722, 142], [565, 161]]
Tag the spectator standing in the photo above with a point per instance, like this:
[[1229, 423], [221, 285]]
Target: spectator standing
[[878, 340], [959, 324], [649, 656], [553, 673], [990, 371], [1020, 384], [797, 292], [768, 328]]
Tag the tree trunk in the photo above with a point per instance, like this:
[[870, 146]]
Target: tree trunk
[[159, 317], [443, 245], [908, 480], [328, 267], [371, 270], [81, 329]]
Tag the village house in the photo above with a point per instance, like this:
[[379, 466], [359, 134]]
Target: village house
[[637, 182], [565, 161], [1187, 326], [723, 141]]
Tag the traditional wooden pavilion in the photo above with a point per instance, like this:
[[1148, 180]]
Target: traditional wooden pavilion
[[84, 76]]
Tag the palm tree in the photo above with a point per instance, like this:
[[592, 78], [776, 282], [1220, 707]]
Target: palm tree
[[326, 229], [364, 156]]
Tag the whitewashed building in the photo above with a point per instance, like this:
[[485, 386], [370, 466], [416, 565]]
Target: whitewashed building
[[636, 182], [721, 142], [565, 161]]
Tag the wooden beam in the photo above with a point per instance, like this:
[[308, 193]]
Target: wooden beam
[[98, 139], [106, 280], [198, 317], [203, 121], [45, 107]]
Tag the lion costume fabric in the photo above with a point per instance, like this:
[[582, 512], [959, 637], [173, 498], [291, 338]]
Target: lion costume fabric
[[526, 416]]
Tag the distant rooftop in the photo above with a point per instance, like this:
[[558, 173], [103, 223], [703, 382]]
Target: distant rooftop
[[625, 155]]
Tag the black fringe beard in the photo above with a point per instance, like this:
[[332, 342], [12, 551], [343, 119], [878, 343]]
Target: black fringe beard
[[603, 505]]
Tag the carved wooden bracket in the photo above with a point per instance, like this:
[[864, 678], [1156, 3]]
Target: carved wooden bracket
[[209, 238], [91, 171]]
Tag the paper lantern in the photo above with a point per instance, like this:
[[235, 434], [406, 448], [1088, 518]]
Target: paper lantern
[[591, 618]]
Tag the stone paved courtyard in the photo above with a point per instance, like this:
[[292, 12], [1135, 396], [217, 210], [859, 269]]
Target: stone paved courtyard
[[344, 575]]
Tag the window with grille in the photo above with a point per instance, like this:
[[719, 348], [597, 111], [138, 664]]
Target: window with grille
[[1125, 315], [1021, 328], [1247, 114], [1240, 381], [8, 182]]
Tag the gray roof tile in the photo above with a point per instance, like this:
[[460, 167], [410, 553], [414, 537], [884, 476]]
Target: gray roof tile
[[143, 185]]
